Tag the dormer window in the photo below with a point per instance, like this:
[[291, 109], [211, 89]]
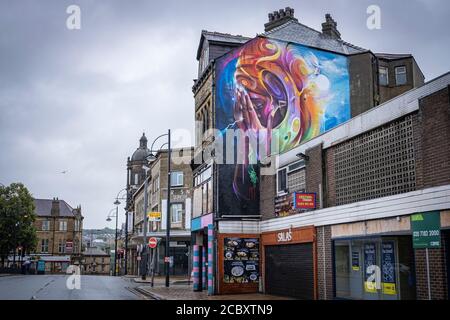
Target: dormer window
[[204, 59], [384, 76], [400, 75]]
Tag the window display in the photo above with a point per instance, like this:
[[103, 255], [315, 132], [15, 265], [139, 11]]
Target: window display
[[380, 268], [241, 263]]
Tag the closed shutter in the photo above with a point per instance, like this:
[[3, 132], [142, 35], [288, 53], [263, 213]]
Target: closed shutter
[[289, 270]]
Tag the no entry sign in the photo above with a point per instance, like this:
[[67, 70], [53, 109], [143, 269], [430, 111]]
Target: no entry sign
[[152, 242]]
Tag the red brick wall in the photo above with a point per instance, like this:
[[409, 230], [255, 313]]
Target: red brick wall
[[314, 176], [324, 263], [433, 140], [267, 195], [330, 179], [438, 275]]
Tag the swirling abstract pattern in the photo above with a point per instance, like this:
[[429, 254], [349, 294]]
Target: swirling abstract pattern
[[291, 92]]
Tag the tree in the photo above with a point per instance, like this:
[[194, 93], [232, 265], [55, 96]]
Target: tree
[[16, 220]]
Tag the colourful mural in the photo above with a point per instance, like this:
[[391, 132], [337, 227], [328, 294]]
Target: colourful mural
[[290, 92]]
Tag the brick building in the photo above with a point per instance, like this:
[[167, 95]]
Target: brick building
[[59, 232], [370, 176], [363, 165]]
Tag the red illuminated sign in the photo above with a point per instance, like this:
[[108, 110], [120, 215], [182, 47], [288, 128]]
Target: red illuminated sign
[[304, 200]]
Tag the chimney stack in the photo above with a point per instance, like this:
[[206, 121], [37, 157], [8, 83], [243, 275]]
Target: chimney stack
[[55, 207], [329, 27], [277, 18]]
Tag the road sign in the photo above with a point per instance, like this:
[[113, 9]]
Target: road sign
[[152, 242], [154, 216], [138, 258], [426, 229]]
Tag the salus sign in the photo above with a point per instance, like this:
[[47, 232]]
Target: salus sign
[[284, 236]]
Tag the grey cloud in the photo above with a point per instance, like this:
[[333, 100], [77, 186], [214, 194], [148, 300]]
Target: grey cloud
[[79, 100]]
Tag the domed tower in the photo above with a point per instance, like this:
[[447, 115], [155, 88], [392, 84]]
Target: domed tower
[[136, 173]]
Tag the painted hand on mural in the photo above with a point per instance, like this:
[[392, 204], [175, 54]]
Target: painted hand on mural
[[245, 113]]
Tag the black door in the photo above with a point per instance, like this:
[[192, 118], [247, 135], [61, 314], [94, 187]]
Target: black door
[[289, 270]]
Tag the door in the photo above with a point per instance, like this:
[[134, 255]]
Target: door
[[289, 270]]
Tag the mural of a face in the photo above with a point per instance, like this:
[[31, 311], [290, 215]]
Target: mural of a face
[[292, 92]]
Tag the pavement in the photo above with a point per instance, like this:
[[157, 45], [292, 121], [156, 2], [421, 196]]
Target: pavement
[[180, 290], [54, 287]]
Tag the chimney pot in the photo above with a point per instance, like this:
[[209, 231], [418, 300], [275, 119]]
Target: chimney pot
[[278, 18], [55, 207], [329, 27]]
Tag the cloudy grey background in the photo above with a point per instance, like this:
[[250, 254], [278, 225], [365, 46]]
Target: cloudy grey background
[[79, 100]]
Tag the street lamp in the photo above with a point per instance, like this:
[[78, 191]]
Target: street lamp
[[115, 241], [149, 158], [117, 202]]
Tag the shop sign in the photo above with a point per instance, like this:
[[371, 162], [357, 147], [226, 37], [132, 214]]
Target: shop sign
[[241, 260], [370, 262], [284, 205], [69, 246], [304, 200], [154, 216], [426, 229], [388, 268], [284, 236]]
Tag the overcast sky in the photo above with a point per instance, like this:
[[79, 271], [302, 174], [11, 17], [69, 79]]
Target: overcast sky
[[79, 100]]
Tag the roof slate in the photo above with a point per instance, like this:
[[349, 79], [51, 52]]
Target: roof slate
[[393, 56], [293, 31], [220, 37], [44, 208]]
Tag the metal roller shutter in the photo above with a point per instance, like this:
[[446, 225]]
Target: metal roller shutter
[[289, 270]]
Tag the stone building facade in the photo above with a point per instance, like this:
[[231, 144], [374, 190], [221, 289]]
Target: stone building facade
[[181, 203], [59, 232], [96, 262]]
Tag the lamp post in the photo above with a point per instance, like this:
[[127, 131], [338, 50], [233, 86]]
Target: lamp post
[[117, 202], [144, 235], [115, 241], [167, 247]]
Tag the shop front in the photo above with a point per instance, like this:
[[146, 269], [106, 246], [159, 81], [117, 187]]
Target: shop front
[[400, 258], [375, 268], [289, 262], [239, 263]]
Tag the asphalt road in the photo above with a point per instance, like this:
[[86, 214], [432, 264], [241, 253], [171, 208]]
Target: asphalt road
[[54, 287]]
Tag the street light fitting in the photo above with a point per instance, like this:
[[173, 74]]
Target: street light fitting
[[302, 156], [117, 202], [151, 157], [108, 219]]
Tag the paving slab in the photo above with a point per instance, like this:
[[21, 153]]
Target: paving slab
[[185, 292]]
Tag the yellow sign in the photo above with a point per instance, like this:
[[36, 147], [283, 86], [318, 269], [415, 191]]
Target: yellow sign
[[154, 216], [370, 286], [389, 288]]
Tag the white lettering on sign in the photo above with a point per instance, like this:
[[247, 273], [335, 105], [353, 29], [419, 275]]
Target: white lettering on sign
[[284, 236]]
